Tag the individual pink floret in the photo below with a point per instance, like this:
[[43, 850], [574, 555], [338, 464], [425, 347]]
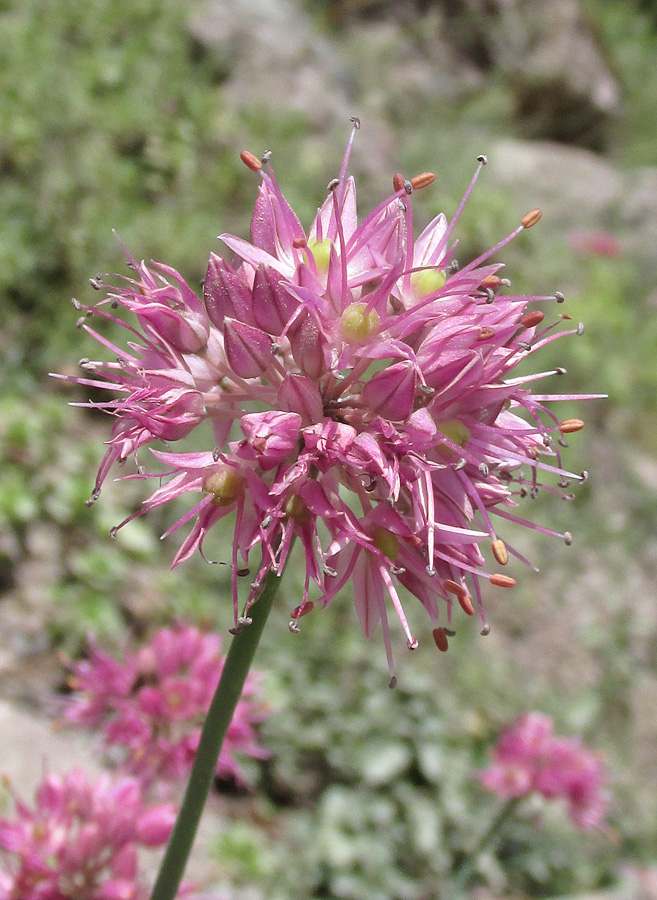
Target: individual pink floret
[[529, 758], [152, 703]]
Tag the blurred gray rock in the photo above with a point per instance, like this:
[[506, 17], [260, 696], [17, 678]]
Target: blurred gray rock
[[562, 83], [275, 56]]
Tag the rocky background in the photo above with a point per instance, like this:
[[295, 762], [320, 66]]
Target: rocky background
[[131, 115]]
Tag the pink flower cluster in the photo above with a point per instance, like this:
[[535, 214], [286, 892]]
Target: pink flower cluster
[[80, 840], [153, 702], [359, 384], [530, 758]]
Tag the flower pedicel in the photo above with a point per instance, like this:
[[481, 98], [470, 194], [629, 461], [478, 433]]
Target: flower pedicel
[[355, 377]]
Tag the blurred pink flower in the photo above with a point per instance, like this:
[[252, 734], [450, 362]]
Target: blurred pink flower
[[359, 384], [595, 243], [80, 840], [529, 758], [152, 704]]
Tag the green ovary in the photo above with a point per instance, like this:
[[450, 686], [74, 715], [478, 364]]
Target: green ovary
[[427, 282], [321, 253], [386, 543], [357, 324], [226, 485], [455, 431]]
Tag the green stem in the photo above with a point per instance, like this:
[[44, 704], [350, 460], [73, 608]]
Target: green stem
[[236, 668], [467, 867]]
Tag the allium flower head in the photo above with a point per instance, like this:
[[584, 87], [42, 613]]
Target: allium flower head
[[530, 758], [152, 704], [360, 386], [80, 840]]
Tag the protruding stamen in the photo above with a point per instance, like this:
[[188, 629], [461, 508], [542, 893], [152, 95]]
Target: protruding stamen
[[504, 581], [250, 161], [333, 184], [491, 281], [485, 631], [355, 121], [266, 156], [440, 639], [303, 609], [466, 604], [483, 159], [531, 218], [570, 426], [499, 551], [559, 297], [531, 319], [413, 644], [567, 538], [424, 179], [392, 684], [455, 588], [408, 187]]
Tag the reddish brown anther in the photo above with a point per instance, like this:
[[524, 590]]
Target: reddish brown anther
[[466, 604], [504, 581], [491, 281], [424, 179], [455, 588], [398, 182], [499, 551], [486, 333], [530, 319], [302, 610], [299, 242], [531, 218], [569, 426], [440, 638], [250, 161]]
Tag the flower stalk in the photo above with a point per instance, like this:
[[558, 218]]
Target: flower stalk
[[235, 671], [467, 865]]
